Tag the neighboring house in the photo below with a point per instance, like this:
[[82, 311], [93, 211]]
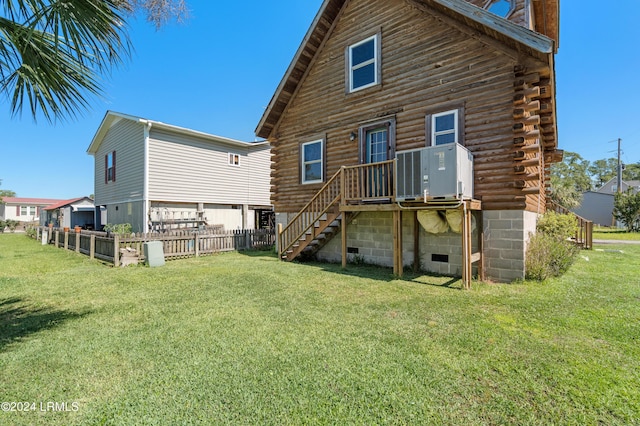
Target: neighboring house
[[70, 213], [373, 79], [24, 209], [611, 186], [157, 176], [597, 206]]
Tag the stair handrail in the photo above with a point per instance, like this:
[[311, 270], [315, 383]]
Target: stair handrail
[[584, 233], [308, 211]]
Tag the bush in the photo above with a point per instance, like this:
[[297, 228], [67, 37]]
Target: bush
[[549, 257], [3, 224], [118, 228], [550, 253], [557, 225]]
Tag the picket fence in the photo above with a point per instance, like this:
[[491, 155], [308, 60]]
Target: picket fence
[[178, 244]]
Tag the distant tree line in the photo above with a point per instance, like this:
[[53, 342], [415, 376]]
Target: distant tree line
[[575, 175]]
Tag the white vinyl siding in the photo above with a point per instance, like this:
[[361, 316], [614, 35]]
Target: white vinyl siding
[[127, 139], [187, 169]]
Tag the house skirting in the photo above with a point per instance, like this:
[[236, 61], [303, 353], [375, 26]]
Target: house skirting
[[370, 240]]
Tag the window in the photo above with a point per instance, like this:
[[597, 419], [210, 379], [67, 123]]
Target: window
[[23, 211], [445, 127], [234, 159], [501, 8], [364, 64], [312, 167], [110, 167]]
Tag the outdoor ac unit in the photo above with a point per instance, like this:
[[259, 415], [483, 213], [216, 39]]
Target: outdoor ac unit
[[438, 172]]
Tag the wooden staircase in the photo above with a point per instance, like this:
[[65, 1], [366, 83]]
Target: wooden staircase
[[315, 224], [322, 218]]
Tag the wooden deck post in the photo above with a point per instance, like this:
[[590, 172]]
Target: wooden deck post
[[196, 244], [343, 234], [92, 246], [279, 241], [66, 240], [416, 242], [77, 242], [397, 243], [116, 250]]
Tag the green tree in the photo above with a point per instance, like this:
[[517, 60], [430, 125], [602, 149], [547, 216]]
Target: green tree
[[5, 193], [569, 179], [626, 208], [602, 171], [53, 53], [631, 171]]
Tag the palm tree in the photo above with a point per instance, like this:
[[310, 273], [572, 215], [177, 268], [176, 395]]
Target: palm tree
[[53, 53]]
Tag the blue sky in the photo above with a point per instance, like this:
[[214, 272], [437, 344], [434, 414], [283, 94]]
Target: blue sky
[[217, 72]]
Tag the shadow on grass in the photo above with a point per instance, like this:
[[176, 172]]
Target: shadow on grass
[[19, 320], [373, 272]]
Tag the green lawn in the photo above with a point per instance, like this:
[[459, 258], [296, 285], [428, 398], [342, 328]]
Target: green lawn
[[600, 233], [247, 339]]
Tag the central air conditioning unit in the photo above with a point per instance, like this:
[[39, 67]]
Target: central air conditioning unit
[[441, 172]]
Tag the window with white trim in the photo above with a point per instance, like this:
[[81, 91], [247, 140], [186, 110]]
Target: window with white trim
[[312, 161], [110, 167], [364, 64], [234, 159], [445, 127]]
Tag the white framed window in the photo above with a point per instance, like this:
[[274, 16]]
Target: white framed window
[[444, 127], [363, 64], [234, 159], [24, 211], [312, 162]]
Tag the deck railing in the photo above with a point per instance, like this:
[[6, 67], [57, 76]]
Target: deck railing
[[584, 233], [368, 182], [325, 200], [350, 185]]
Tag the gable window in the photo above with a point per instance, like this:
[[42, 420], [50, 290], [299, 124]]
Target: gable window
[[445, 127], [234, 159], [312, 162], [110, 167], [364, 64], [501, 8]]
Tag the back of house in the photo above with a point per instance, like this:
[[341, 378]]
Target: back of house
[[372, 79]]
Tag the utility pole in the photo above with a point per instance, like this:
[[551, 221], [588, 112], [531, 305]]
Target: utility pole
[[619, 167]]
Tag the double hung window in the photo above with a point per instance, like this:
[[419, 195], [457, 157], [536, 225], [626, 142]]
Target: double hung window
[[312, 162], [445, 127], [364, 64]]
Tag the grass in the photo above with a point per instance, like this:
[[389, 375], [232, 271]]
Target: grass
[[602, 233], [247, 339]]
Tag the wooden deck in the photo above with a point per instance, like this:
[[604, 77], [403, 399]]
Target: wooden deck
[[367, 188]]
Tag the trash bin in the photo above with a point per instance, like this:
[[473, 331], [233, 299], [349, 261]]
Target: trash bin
[[154, 253]]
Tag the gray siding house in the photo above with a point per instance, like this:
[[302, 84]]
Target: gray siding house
[[157, 176]]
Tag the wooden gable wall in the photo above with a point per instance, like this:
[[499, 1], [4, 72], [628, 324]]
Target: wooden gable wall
[[430, 63]]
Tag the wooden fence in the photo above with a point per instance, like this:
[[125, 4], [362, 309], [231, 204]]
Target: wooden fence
[[182, 244]]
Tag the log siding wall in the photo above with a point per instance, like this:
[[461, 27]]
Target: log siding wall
[[427, 64]]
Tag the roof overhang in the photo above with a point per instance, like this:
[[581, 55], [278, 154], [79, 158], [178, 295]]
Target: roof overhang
[[112, 118]]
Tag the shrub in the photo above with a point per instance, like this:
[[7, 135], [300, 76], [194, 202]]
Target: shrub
[[118, 228], [3, 224], [550, 253], [557, 225], [549, 257]]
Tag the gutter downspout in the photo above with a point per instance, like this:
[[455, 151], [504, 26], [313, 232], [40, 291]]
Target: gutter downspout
[[145, 190]]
